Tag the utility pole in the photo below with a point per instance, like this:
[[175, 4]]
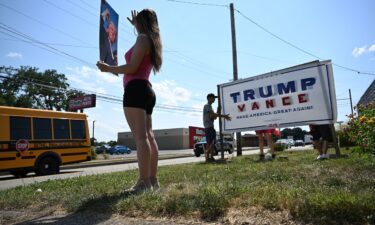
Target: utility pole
[[351, 104], [235, 72], [93, 132]]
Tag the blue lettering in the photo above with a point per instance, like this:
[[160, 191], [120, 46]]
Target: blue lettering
[[307, 82], [290, 87], [234, 96], [269, 91], [248, 94]]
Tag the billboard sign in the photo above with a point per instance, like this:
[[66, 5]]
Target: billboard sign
[[81, 102], [299, 95]]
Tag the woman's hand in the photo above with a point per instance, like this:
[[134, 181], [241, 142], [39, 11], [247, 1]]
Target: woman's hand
[[102, 66], [134, 15]]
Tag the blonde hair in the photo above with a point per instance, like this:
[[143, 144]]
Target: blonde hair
[[147, 23]]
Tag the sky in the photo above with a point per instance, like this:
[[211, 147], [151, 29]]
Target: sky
[[197, 49]]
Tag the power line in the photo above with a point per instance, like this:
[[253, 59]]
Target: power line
[[198, 3], [55, 44], [68, 12], [38, 46], [18, 33], [114, 99], [88, 4], [94, 14], [42, 23], [296, 47]]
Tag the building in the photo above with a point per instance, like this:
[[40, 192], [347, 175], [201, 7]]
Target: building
[[168, 139], [369, 95]]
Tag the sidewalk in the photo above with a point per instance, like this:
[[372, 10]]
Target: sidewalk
[[132, 159], [114, 161]]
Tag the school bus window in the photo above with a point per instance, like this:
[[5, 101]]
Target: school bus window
[[61, 129], [42, 128], [20, 128], [78, 129]]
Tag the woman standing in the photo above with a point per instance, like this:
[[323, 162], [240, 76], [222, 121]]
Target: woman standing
[[268, 133], [139, 98]]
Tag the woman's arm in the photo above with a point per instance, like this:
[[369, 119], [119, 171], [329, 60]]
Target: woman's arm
[[140, 48]]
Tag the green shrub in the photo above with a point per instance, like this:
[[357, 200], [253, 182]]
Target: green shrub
[[279, 148], [361, 128], [344, 139], [93, 153]]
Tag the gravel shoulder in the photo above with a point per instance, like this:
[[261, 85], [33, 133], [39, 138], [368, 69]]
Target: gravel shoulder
[[59, 217]]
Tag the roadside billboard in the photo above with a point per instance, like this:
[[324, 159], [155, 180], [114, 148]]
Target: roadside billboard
[[81, 102], [294, 96]]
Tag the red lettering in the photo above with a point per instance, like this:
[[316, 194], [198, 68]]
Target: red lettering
[[286, 101], [270, 103], [254, 105], [302, 98], [241, 108]]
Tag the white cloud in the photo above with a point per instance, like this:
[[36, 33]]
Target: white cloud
[[91, 79], [14, 55], [95, 75], [171, 93], [108, 77], [359, 51]]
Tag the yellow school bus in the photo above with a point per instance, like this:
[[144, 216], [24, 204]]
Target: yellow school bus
[[41, 140]]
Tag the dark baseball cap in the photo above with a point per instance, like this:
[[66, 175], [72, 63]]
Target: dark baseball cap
[[211, 95]]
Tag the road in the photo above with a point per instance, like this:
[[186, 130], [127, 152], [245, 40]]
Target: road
[[8, 181]]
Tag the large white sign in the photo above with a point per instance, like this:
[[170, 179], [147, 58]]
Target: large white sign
[[294, 96]]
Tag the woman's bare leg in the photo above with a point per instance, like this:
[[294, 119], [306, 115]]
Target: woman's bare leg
[[154, 153], [136, 118]]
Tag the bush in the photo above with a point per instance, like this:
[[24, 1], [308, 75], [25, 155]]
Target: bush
[[93, 153], [361, 128], [345, 139], [279, 148]]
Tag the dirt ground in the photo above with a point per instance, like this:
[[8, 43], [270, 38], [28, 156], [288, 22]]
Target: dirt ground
[[59, 217]]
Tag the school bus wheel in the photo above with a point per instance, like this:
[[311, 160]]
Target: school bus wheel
[[46, 165]]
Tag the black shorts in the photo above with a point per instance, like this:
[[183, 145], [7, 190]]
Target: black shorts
[[139, 94], [210, 134], [322, 132]]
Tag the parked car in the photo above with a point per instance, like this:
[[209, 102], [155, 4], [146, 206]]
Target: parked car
[[283, 142], [299, 143], [198, 147], [227, 146], [291, 141], [119, 149], [101, 149]]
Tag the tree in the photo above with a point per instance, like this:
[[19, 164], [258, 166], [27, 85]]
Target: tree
[[112, 143], [11, 90], [286, 132], [26, 87], [93, 141], [297, 133]]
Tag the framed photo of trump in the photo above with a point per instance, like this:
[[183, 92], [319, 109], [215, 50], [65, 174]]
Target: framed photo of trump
[[108, 34]]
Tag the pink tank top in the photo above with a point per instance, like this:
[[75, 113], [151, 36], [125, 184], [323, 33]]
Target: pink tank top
[[144, 69]]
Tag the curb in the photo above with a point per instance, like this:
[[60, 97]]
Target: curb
[[105, 162]]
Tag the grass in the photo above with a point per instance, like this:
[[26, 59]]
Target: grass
[[335, 191]]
